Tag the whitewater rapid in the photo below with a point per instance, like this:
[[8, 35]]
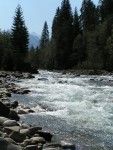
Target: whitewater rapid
[[80, 108]]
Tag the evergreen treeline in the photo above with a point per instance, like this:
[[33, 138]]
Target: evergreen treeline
[[14, 45], [79, 41]]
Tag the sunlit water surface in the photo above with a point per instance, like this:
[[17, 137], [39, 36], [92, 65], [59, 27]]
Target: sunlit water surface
[[74, 108]]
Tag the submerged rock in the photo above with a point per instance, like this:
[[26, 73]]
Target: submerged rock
[[36, 140], [67, 145], [42, 79], [22, 111]]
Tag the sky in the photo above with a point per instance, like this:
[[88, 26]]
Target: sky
[[35, 12]]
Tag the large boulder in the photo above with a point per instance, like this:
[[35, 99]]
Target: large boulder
[[17, 137], [4, 110], [13, 115], [6, 145], [46, 135]]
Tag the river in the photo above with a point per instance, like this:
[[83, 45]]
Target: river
[[73, 108]]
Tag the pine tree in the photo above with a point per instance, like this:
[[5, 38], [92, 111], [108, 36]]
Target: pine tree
[[55, 23], [63, 35], [89, 15], [44, 44], [106, 9], [109, 48], [76, 24], [7, 54], [44, 41], [19, 38]]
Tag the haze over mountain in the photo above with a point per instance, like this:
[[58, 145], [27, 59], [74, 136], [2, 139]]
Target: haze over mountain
[[34, 39]]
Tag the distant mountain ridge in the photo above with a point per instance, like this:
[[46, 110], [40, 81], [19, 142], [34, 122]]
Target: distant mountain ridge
[[34, 40]]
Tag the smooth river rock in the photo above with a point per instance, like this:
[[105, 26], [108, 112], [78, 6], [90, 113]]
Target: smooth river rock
[[18, 137], [46, 135], [5, 145], [67, 145], [8, 130], [2, 120], [31, 147], [4, 110], [34, 130], [36, 140], [10, 123]]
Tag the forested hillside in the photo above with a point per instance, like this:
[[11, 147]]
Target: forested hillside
[[78, 40]]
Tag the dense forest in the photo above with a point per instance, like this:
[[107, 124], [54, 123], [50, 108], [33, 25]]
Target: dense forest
[[81, 40]]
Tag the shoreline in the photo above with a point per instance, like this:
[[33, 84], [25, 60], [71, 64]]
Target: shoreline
[[17, 135]]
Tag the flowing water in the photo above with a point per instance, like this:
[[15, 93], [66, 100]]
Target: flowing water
[[74, 108]]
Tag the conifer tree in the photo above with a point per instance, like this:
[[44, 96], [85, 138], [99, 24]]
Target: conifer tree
[[44, 41], [76, 24], [19, 38], [44, 44], [109, 48], [64, 36], [106, 9], [55, 23], [89, 15]]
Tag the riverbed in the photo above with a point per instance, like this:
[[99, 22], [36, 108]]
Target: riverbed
[[74, 108]]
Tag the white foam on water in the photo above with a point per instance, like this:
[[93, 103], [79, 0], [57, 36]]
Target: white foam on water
[[86, 103]]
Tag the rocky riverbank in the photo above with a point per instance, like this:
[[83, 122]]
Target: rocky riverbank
[[15, 135]]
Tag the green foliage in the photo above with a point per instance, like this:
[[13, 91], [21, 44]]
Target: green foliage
[[89, 15], [19, 39], [76, 24], [78, 52], [33, 57], [109, 48], [82, 41], [44, 44], [62, 35], [44, 41], [106, 9], [6, 54], [55, 24], [7, 57]]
